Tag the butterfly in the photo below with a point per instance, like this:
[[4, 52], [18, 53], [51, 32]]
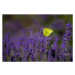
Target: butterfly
[[47, 31]]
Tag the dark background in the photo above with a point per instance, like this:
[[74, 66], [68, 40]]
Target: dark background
[[20, 26]]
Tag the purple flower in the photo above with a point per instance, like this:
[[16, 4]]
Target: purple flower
[[37, 47], [65, 40]]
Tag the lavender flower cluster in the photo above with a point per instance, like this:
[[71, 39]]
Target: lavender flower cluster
[[39, 48]]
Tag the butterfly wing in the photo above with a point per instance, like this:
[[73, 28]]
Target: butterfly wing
[[47, 31]]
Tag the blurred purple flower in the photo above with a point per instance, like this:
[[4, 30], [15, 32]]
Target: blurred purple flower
[[37, 47], [58, 24]]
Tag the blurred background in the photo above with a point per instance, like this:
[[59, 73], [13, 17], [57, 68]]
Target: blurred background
[[22, 26]]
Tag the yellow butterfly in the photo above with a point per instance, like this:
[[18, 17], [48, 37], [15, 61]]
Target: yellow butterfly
[[47, 31]]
